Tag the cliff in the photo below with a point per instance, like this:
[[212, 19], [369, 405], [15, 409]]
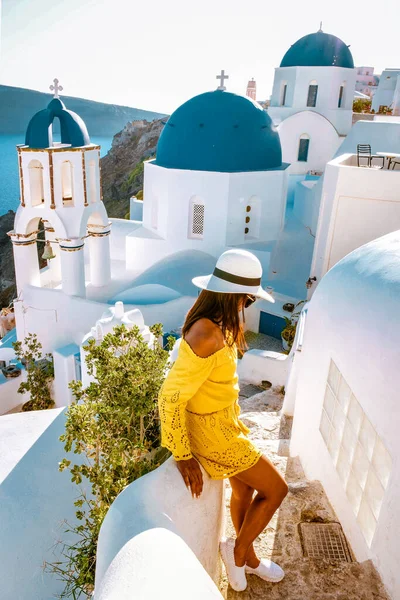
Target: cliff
[[18, 105], [122, 167], [7, 276]]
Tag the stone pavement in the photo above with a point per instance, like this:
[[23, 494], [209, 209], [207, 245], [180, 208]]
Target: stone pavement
[[306, 501]]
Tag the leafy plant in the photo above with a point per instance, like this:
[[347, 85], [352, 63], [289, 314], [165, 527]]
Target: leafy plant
[[113, 425], [362, 105], [40, 373], [289, 331]]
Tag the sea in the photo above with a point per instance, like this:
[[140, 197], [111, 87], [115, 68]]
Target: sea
[[9, 178]]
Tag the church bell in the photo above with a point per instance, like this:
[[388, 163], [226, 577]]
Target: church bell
[[48, 253]]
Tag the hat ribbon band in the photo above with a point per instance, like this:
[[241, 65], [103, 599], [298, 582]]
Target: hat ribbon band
[[250, 281]]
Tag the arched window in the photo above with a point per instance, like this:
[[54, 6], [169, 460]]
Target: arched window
[[283, 93], [36, 185], [252, 218], [341, 98], [92, 182], [67, 183], [196, 219], [312, 94], [304, 144], [154, 213]]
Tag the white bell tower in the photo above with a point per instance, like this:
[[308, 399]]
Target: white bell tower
[[60, 186]]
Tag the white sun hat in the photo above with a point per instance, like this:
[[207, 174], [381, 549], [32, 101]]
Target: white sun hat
[[237, 272]]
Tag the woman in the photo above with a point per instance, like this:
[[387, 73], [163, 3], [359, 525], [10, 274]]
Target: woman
[[199, 412]]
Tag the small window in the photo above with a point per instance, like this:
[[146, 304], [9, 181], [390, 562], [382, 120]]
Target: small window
[[196, 223], [304, 144], [283, 96], [252, 224], [312, 94], [67, 183], [341, 90]]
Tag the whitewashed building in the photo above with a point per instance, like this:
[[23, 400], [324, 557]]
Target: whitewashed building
[[312, 100]]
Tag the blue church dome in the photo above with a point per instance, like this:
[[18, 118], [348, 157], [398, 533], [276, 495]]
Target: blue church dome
[[219, 131], [318, 50], [40, 129]]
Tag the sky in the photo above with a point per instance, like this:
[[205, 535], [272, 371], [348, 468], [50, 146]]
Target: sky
[[155, 54]]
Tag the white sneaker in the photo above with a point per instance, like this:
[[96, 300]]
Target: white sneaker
[[267, 570], [236, 575]]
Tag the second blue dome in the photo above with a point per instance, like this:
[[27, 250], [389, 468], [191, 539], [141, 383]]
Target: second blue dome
[[318, 50], [219, 131]]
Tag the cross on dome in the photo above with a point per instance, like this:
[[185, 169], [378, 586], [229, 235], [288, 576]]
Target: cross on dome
[[320, 27], [56, 88], [222, 78]]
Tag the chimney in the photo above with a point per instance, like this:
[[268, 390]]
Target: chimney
[[251, 89]]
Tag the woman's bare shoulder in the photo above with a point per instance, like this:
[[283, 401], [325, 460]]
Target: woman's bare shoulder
[[205, 338]]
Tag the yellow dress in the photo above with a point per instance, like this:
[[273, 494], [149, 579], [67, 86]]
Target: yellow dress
[[199, 413]]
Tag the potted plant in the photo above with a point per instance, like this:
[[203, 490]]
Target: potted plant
[[289, 331]]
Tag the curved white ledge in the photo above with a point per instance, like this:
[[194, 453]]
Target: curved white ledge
[[157, 541]]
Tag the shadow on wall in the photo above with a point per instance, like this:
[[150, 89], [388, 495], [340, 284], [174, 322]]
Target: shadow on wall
[[151, 537]]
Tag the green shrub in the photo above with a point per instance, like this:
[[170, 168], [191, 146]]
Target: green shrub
[[113, 425]]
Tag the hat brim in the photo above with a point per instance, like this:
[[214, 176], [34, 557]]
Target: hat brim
[[215, 284]]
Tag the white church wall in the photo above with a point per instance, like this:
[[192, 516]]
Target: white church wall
[[358, 205], [324, 141], [223, 194], [345, 428], [158, 508], [329, 81], [265, 192]]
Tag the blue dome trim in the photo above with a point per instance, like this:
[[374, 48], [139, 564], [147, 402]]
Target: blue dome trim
[[219, 131], [39, 133], [318, 50]]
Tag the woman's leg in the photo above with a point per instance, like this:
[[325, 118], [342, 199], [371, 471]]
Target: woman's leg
[[271, 490], [241, 498]]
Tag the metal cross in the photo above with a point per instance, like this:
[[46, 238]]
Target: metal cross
[[222, 77], [56, 88], [320, 26]]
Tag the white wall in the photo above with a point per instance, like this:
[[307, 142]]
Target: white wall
[[386, 88], [324, 141], [35, 499], [306, 203], [351, 322], [358, 205], [56, 318], [225, 196], [329, 80], [156, 503]]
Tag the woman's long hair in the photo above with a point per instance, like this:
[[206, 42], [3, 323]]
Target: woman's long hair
[[222, 309]]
